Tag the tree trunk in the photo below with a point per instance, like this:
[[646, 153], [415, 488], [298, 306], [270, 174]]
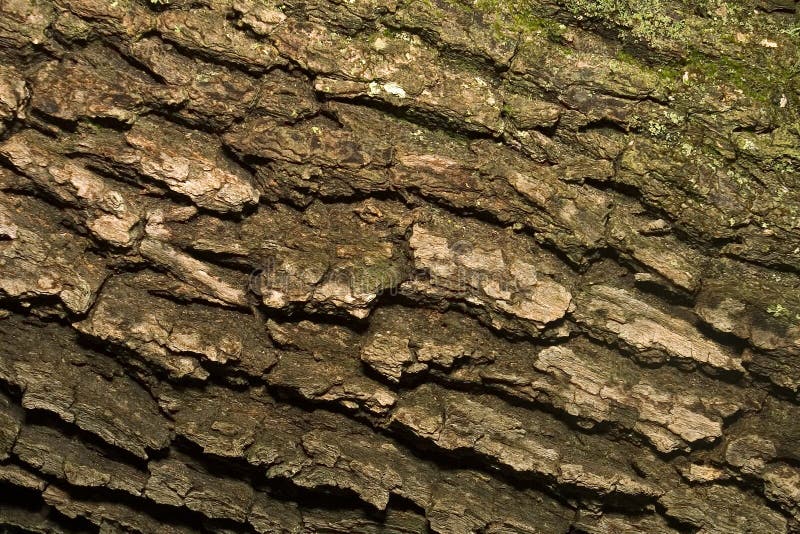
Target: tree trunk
[[399, 266]]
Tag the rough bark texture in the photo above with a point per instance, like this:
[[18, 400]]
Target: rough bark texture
[[399, 266]]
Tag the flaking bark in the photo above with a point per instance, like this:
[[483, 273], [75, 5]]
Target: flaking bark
[[399, 266]]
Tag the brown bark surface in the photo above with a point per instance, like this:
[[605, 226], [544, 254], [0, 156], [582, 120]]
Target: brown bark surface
[[399, 266]]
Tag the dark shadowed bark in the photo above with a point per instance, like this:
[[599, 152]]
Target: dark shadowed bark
[[399, 266]]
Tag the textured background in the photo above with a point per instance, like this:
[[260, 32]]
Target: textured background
[[399, 266]]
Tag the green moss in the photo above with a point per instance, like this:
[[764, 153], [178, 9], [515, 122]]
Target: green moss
[[784, 315], [515, 16], [650, 21], [755, 83], [667, 27], [794, 31]]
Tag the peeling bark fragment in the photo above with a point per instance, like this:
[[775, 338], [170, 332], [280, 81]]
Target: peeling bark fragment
[[17, 476], [699, 473], [618, 316], [331, 453], [109, 215], [215, 96], [721, 509], [294, 283], [259, 17], [325, 368], [288, 447], [80, 387], [97, 85], [169, 335], [455, 423], [406, 342], [109, 515], [391, 357], [782, 486], [333, 467], [215, 421], [332, 270], [323, 283], [672, 409], [23, 28], [494, 274], [757, 306], [749, 453], [619, 524], [187, 163], [176, 484], [669, 421], [581, 209], [653, 246], [204, 280], [322, 260], [11, 422], [51, 453], [41, 260], [14, 96], [209, 33], [34, 518]]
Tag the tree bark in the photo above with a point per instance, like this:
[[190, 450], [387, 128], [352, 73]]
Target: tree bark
[[399, 266]]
